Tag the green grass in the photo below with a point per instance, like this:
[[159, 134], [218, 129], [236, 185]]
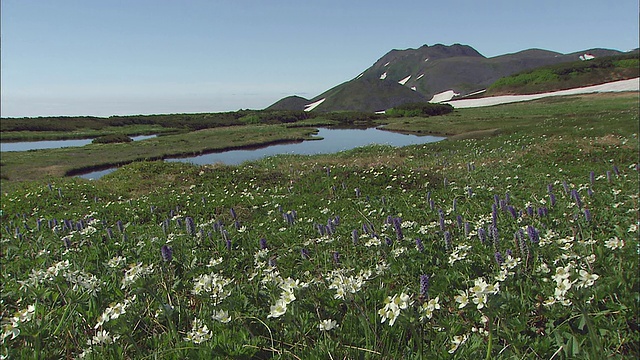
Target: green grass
[[37, 164], [568, 75], [582, 148], [131, 130]]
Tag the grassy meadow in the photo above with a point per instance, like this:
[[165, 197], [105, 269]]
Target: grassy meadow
[[517, 238]]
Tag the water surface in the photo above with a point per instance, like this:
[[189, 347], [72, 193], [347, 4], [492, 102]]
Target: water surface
[[333, 140]]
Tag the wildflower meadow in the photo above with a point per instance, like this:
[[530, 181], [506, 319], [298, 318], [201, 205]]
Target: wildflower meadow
[[516, 246]]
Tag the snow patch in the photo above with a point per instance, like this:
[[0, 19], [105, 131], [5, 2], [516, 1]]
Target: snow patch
[[427, 59], [414, 88], [383, 76], [359, 76], [443, 96], [404, 81], [314, 105], [419, 77], [387, 64], [615, 86], [586, 57]]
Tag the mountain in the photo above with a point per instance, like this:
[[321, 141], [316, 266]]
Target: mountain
[[417, 75]]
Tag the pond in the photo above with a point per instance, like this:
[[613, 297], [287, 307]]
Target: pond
[[54, 144], [333, 140]]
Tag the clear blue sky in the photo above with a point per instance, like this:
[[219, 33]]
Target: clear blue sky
[[89, 57]]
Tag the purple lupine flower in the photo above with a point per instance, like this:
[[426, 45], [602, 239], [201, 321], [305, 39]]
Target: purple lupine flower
[[397, 227], [67, 242], [263, 243], [304, 253], [119, 226], [365, 228], [552, 199], [592, 177], [616, 170], [590, 192], [524, 249], [110, 233], [330, 230], [354, 237], [227, 243], [190, 226], [424, 286], [467, 228], [496, 199], [587, 215], [565, 186], [419, 245], [237, 225], [336, 257], [498, 257], [608, 176], [512, 211], [533, 234], [493, 232], [233, 213], [550, 188], [482, 235], [166, 252], [441, 219], [503, 204], [469, 192], [509, 252], [507, 198], [529, 210], [576, 197], [447, 239], [320, 229], [494, 215], [459, 220]]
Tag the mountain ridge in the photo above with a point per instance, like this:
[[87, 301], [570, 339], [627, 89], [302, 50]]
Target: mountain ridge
[[419, 74]]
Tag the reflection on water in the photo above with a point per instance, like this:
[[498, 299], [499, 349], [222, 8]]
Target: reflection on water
[[334, 140], [54, 144]]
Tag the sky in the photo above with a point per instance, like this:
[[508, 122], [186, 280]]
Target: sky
[[127, 57]]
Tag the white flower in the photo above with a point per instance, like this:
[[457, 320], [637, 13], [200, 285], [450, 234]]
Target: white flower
[[614, 243], [462, 298], [587, 279], [457, 341], [102, 337], [428, 308], [199, 332], [279, 309], [327, 324], [222, 316]]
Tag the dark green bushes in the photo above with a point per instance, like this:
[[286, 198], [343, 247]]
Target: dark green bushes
[[419, 110], [112, 138]]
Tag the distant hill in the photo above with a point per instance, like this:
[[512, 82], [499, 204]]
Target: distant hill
[[417, 75]]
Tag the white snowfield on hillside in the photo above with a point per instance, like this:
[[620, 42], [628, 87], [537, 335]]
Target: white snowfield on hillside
[[616, 86], [314, 105]]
